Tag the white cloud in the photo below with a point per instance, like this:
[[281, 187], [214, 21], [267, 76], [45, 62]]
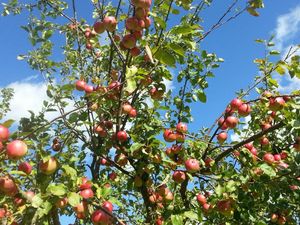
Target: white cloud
[[236, 137], [286, 32], [27, 96], [287, 28]]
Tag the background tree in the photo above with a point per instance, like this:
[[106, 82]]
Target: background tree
[[119, 126]]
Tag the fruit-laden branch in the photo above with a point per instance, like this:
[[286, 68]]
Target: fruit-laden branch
[[252, 138]]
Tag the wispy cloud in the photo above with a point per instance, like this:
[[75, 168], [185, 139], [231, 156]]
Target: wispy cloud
[[287, 28]]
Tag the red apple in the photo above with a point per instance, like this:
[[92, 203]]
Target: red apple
[[25, 167], [231, 121], [88, 89], [147, 21], [135, 51], [121, 159], [268, 158], [110, 23], [222, 124], [8, 186], [225, 206], [265, 126], [181, 127], [159, 221], [179, 176], [129, 41], [122, 136], [81, 207], [169, 135], [235, 104], [29, 195], [61, 203], [80, 85], [201, 199], [87, 193], [126, 108], [100, 217], [274, 218], [281, 220], [108, 206], [112, 176], [4, 133], [206, 207], [142, 3], [249, 145], [264, 141], [99, 27], [2, 213], [180, 137], [132, 113], [222, 137], [131, 23], [244, 110], [140, 13], [85, 183], [48, 167], [283, 155], [16, 149], [192, 165], [276, 104], [277, 157]]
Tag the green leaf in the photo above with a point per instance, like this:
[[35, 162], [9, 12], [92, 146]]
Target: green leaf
[[274, 52], [36, 201], [201, 95], [8, 123], [70, 172], [165, 57], [177, 219], [73, 199], [135, 146], [131, 83], [191, 215], [21, 57], [57, 189], [268, 170], [185, 29], [177, 48]]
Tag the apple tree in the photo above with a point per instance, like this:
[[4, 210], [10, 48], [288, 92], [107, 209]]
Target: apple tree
[[118, 148]]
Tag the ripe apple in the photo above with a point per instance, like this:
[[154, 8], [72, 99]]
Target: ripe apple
[[8, 186], [169, 135], [61, 203], [29, 195], [122, 136], [25, 167], [283, 155], [110, 23], [129, 41], [231, 121], [126, 107], [135, 51], [181, 127], [112, 176], [88, 89], [159, 221], [2, 213], [277, 157], [222, 124], [222, 137], [56, 147], [235, 104], [103, 161], [100, 130], [249, 145], [253, 151], [80, 85], [264, 141], [274, 218], [100, 217], [265, 126], [244, 110], [4, 133], [147, 21], [16, 149], [49, 167], [87, 193], [121, 159], [131, 23], [225, 207], [180, 137], [179, 176], [81, 207], [201, 199], [132, 113], [137, 34], [281, 220], [207, 208], [276, 104], [142, 3], [99, 27], [192, 165], [169, 196], [108, 206], [268, 158], [85, 183], [140, 13]]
